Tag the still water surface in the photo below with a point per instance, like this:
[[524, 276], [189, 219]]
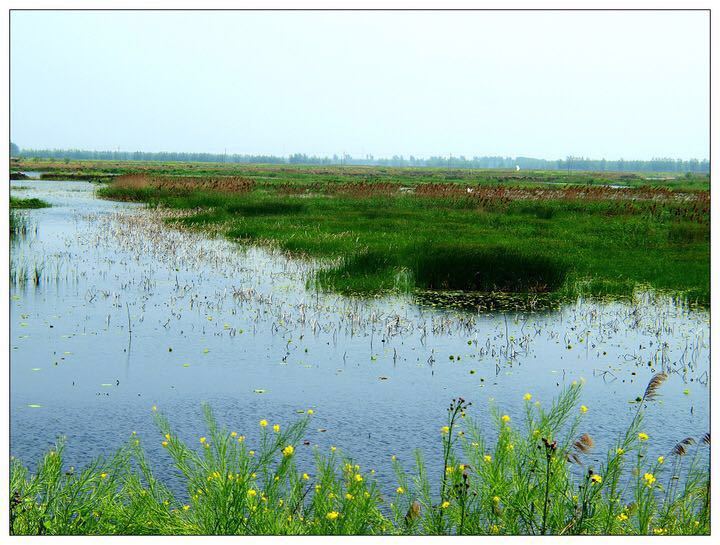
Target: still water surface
[[129, 314]]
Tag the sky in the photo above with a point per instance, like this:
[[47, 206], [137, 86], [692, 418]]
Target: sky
[[631, 85]]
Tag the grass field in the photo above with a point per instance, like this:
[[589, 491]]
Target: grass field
[[17, 204], [375, 237], [321, 175], [532, 478]]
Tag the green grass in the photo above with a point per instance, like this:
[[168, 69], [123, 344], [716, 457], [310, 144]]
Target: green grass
[[16, 203], [531, 478], [332, 175], [376, 242]]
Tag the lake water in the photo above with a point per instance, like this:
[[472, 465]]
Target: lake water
[[129, 314]]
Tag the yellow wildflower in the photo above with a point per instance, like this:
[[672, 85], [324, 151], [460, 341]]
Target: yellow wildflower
[[527, 397], [233, 434], [595, 478], [310, 411], [288, 451], [202, 440], [643, 436], [661, 459], [186, 507], [349, 496], [263, 423], [445, 429], [252, 492], [333, 449], [487, 458], [496, 499], [358, 478], [276, 428], [400, 490], [305, 477], [583, 409], [165, 444], [445, 504], [649, 479], [332, 515], [620, 451], [505, 418], [103, 475]]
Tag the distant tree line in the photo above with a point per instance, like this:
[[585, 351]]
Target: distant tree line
[[661, 164]]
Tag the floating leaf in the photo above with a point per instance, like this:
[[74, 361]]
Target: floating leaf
[[259, 391]]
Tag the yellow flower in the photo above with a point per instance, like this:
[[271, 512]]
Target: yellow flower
[[643, 436], [620, 451], [400, 490], [317, 487], [393, 457], [445, 504], [103, 475], [186, 507], [332, 515], [661, 459], [233, 434], [595, 478], [252, 492], [487, 458], [659, 531], [583, 409], [649, 479], [496, 499], [165, 444], [527, 397], [358, 478], [305, 477], [505, 418], [167, 436], [276, 428], [202, 440], [444, 430], [333, 449], [461, 467], [349, 496], [288, 451], [495, 529], [154, 408], [241, 439], [511, 447], [263, 423], [310, 411], [449, 469], [622, 517]]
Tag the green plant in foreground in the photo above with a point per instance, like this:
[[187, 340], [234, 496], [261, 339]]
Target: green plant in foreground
[[532, 479]]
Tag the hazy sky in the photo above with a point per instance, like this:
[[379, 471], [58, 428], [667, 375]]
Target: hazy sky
[[540, 84]]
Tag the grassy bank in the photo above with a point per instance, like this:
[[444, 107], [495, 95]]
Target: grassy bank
[[377, 237], [530, 478], [17, 204]]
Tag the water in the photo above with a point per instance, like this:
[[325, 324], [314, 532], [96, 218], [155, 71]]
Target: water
[[129, 314]]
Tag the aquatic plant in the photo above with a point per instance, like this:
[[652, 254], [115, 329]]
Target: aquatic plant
[[531, 479]]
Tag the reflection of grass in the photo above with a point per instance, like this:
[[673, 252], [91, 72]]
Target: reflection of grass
[[531, 479], [16, 203], [564, 244]]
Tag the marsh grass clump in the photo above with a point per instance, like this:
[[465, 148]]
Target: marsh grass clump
[[532, 478], [33, 203], [377, 236]]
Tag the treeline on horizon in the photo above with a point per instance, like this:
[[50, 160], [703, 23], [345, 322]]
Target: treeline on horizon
[[662, 164]]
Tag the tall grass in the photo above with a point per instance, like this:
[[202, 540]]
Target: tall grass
[[530, 479]]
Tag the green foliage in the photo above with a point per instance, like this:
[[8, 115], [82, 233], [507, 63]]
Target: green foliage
[[16, 203], [530, 479], [378, 242]]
